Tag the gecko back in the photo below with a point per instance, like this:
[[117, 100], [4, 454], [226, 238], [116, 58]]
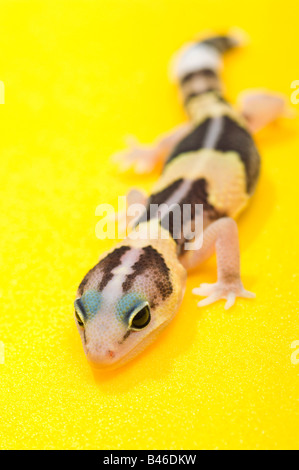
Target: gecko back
[[216, 164]]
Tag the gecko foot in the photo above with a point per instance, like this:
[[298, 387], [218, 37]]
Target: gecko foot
[[142, 158], [222, 290]]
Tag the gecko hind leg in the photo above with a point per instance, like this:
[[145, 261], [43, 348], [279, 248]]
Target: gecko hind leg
[[222, 236], [260, 108]]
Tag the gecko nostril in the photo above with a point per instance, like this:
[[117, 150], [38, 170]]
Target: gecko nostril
[[110, 353]]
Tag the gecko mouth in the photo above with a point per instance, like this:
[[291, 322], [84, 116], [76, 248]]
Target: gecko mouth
[[119, 361], [113, 360]]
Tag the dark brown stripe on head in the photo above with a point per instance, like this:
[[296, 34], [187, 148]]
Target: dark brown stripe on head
[[153, 263], [104, 268], [109, 263], [87, 278]]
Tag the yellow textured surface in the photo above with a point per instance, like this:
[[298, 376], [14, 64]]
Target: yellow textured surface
[[79, 76]]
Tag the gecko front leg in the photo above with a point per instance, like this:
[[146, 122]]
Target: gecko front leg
[[124, 219], [221, 236]]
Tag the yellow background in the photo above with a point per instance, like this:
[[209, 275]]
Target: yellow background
[[79, 76]]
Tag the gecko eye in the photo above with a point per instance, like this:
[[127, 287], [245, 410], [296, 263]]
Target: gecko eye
[[79, 318], [140, 318]]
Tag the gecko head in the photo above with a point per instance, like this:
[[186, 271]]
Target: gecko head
[[125, 300]]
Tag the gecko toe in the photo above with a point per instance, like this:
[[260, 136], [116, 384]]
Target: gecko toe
[[230, 300], [209, 300]]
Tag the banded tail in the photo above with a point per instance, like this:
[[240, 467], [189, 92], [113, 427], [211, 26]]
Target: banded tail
[[198, 65]]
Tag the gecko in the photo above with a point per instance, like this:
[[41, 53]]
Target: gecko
[[135, 289]]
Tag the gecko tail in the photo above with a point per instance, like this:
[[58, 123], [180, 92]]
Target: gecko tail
[[235, 37], [197, 65], [220, 43], [206, 53]]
